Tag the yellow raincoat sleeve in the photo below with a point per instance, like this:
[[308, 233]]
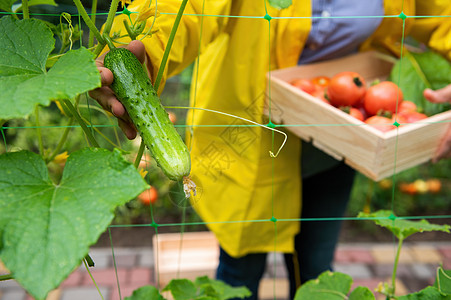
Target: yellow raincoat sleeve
[[434, 31], [193, 31], [427, 21]]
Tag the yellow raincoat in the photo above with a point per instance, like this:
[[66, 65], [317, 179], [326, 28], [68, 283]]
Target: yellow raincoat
[[246, 196]]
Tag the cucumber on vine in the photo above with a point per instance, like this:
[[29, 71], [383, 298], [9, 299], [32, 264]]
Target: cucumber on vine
[[134, 89]]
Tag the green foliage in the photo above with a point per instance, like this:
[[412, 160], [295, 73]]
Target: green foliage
[[418, 71], [7, 5], [66, 217], [202, 288], [332, 286], [146, 292], [24, 80], [443, 281], [402, 228], [429, 293]]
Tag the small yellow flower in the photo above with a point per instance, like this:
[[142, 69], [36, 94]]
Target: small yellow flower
[[58, 104], [142, 172], [380, 288], [61, 158]]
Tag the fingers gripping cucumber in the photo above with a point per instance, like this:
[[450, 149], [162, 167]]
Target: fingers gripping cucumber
[[134, 89]]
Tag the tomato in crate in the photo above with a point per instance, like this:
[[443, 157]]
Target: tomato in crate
[[368, 150]]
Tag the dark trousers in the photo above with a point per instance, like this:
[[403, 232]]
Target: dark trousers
[[324, 195]]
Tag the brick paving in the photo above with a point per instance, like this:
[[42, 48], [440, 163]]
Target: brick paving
[[367, 264]]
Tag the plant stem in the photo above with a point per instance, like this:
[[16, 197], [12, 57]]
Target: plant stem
[[108, 41], [38, 130], [25, 10], [139, 154], [88, 21], [129, 30], [62, 140], [6, 277], [395, 266], [110, 18], [169, 44], [80, 121], [93, 19], [99, 49]]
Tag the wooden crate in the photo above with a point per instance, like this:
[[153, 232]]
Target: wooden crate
[[186, 255], [373, 153]]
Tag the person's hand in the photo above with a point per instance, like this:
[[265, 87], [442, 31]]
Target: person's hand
[[441, 96], [105, 95]]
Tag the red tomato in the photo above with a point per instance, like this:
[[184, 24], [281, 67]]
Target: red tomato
[[399, 118], [408, 188], [320, 94], [354, 112], [407, 106], [304, 85], [384, 96], [148, 196], [412, 116], [346, 89], [434, 185], [172, 117], [321, 81], [381, 123]]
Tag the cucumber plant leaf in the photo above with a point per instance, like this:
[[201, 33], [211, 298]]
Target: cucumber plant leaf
[[220, 289], [46, 228], [36, 2], [6, 5], [280, 4], [419, 71], [332, 286], [361, 292], [24, 80], [147, 292], [443, 281], [402, 228], [429, 293], [181, 289]]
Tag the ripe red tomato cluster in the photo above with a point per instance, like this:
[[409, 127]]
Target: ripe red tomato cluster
[[380, 104]]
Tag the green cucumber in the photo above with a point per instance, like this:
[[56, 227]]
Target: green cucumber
[[134, 89]]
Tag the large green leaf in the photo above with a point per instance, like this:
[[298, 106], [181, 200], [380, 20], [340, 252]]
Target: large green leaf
[[24, 81], [402, 228], [47, 228], [36, 2], [443, 281], [361, 292], [331, 286], [146, 292], [220, 290], [6, 5], [181, 289], [418, 71], [429, 293]]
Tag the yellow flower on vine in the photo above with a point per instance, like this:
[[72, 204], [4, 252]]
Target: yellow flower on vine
[[61, 158], [143, 173]]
